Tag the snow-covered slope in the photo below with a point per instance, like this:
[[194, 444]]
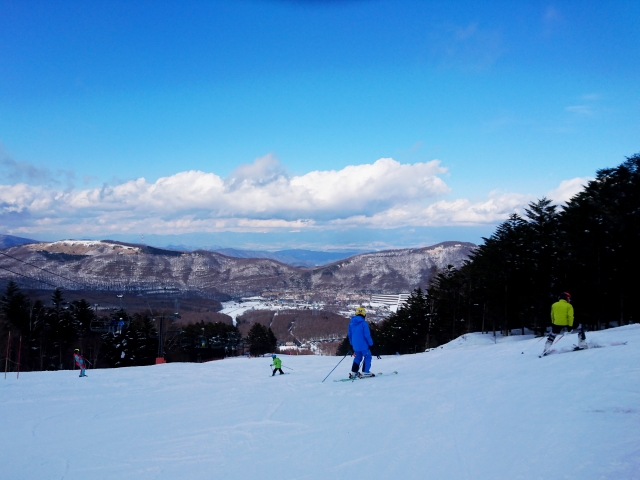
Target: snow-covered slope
[[471, 412]]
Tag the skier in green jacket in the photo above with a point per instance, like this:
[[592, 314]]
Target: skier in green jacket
[[277, 365], [562, 317]]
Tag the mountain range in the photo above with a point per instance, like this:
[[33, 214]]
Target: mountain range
[[7, 241], [296, 257], [108, 265]]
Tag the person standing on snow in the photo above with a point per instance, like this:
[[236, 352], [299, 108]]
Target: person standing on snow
[[80, 362], [361, 342], [562, 317], [277, 365]]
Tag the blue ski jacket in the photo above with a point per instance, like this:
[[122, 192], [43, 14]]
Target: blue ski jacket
[[359, 334]]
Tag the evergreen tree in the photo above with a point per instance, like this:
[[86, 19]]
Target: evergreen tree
[[136, 346], [541, 262], [60, 333], [272, 340], [202, 340], [405, 331], [344, 348], [83, 315], [14, 307], [258, 340]]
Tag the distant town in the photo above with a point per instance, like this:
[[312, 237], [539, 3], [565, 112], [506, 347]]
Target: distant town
[[378, 307]]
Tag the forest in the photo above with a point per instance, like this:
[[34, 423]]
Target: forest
[[589, 247], [36, 336]]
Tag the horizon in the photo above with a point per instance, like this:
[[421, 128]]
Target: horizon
[[270, 125], [166, 244]]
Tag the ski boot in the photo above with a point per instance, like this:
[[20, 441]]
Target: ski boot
[[582, 341], [354, 370], [547, 346], [368, 374]]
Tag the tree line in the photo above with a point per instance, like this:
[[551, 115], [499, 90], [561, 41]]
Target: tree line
[[589, 247], [43, 337]]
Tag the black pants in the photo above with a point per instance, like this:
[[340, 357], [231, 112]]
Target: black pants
[[275, 370], [556, 329]]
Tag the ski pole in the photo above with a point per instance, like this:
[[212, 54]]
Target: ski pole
[[287, 367], [6, 358], [19, 350], [334, 368]]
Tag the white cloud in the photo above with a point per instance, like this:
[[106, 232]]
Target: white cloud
[[495, 208], [261, 197], [568, 189]]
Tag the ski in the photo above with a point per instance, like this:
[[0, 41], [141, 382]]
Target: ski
[[285, 373], [576, 348], [362, 378]]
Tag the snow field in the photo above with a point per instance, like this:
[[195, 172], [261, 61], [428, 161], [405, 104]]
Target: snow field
[[480, 412]]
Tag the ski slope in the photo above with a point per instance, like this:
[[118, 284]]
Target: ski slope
[[470, 410]]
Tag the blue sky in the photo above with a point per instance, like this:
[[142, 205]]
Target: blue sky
[[272, 124]]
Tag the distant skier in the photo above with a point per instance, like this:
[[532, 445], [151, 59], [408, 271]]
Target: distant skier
[[120, 325], [361, 342], [277, 365], [80, 361], [562, 317]]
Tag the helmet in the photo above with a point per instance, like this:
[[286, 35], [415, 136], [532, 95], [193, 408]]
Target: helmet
[[77, 350], [565, 296], [273, 355], [361, 311]]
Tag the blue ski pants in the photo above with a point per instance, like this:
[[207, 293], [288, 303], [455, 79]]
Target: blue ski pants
[[367, 360]]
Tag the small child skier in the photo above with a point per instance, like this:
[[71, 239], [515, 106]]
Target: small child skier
[[277, 365], [80, 361]]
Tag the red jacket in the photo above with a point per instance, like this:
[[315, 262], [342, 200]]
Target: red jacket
[[79, 360]]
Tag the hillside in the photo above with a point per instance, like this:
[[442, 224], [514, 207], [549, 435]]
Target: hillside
[[464, 411], [294, 257], [108, 265], [7, 241]]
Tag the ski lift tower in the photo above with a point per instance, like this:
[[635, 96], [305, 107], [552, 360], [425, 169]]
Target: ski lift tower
[[160, 358]]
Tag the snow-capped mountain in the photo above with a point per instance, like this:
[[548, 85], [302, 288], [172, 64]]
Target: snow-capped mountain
[[108, 265]]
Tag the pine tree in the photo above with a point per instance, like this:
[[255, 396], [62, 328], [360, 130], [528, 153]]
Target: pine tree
[[272, 340], [258, 340], [406, 331], [14, 307], [135, 346], [344, 348], [60, 333]]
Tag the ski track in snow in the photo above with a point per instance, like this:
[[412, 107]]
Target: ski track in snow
[[470, 410]]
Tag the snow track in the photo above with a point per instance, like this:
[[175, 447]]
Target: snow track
[[476, 412]]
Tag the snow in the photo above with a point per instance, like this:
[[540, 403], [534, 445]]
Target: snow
[[236, 309], [492, 411]]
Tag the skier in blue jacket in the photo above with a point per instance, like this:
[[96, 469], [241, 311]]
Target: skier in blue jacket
[[361, 342]]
